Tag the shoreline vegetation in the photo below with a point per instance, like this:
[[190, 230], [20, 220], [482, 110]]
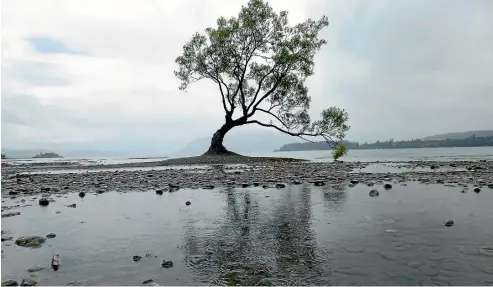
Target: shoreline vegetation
[[472, 141]]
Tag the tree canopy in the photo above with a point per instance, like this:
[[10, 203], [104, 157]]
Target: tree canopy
[[259, 64]]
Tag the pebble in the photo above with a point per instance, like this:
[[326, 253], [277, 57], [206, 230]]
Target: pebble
[[28, 282], [9, 283], [51, 235], [374, 193], [188, 203], [10, 214], [136, 258], [449, 223], [387, 186], [167, 264], [43, 202]]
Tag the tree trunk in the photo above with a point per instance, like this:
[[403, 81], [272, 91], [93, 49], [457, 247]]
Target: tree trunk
[[217, 147]]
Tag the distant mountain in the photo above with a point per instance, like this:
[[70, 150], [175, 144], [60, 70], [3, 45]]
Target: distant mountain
[[240, 141], [22, 153], [460, 135], [30, 153]]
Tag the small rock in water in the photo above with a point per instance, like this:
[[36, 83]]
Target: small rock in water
[[159, 191], [297, 182], [188, 203], [434, 166], [477, 190], [82, 194], [167, 264], [449, 223], [148, 281], [10, 214], [245, 185], [374, 193], [369, 184], [148, 254], [55, 262], [319, 183], [6, 238], [351, 185], [72, 205], [51, 235], [35, 269], [280, 185], [490, 185], [209, 187], [387, 186], [43, 202], [354, 181], [28, 282], [9, 283], [136, 258], [30, 241]]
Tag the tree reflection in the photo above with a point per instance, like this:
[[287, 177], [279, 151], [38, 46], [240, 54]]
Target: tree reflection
[[334, 198], [259, 241]]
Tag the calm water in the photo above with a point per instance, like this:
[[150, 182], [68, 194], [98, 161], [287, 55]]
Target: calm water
[[436, 154], [298, 235]]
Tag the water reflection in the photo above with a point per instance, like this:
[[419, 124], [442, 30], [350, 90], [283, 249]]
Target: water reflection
[[255, 244]]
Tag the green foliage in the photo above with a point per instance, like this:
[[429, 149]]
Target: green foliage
[[339, 151], [259, 64], [3, 156]]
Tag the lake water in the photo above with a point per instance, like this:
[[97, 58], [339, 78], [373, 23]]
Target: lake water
[[299, 235], [435, 154]]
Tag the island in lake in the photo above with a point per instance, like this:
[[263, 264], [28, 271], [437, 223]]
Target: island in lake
[[47, 155], [430, 142]]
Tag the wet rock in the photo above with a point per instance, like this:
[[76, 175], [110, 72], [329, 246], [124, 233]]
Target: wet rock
[[449, 223], [30, 241], [136, 258], [209, 187], [28, 282], [82, 194], [245, 185], [35, 269], [434, 166], [58, 212], [147, 281], [319, 183], [159, 191], [10, 214], [167, 264], [354, 181], [148, 254], [280, 185], [13, 192], [374, 193], [9, 283], [188, 203], [297, 182], [44, 202], [477, 190], [265, 186], [6, 238], [45, 189], [51, 235], [490, 185], [72, 205], [370, 184], [387, 186]]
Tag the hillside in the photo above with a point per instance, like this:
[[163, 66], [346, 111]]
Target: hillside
[[460, 135]]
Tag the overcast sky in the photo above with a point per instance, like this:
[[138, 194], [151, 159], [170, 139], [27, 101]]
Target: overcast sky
[[101, 72]]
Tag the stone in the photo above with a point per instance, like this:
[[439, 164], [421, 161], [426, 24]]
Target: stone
[[209, 187], [387, 186], [434, 166], [82, 194], [477, 190], [319, 183], [55, 262], [44, 202], [167, 264], [72, 205], [35, 269], [490, 185], [6, 238], [51, 235], [353, 181], [280, 185], [136, 258], [9, 283], [245, 185], [374, 193], [13, 192], [449, 223], [28, 282], [10, 214], [159, 191], [188, 203], [30, 241]]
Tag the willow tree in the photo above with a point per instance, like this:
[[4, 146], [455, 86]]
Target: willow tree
[[259, 64]]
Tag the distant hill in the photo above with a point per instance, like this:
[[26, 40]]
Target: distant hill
[[472, 141], [460, 135]]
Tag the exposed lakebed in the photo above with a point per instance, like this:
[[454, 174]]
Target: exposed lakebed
[[298, 234]]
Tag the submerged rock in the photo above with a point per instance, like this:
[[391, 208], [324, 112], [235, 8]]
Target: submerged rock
[[44, 202], [167, 264], [51, 235], [319, 183], [10, 214], [9, 283], [72, 205], [449, 223], [136, 258], [477, 190], [188, 203], [374, 193], [35, 269], [28, 282], [387, 186], [159, 191], [30, 241], [82, 194], [280, 185]]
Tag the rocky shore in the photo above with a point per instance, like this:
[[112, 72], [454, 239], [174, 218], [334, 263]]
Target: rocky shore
[[265, 172]]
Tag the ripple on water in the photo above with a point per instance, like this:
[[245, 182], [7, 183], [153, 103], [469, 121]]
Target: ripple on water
[[240, 237]]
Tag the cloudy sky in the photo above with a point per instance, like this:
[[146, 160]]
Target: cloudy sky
[[100, 73]]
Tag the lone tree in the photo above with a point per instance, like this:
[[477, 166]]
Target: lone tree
[[259, 64]]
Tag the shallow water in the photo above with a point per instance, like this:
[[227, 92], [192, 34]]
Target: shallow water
[[298, 235]]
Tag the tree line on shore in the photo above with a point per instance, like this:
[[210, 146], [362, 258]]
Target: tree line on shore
[[472, 141]]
